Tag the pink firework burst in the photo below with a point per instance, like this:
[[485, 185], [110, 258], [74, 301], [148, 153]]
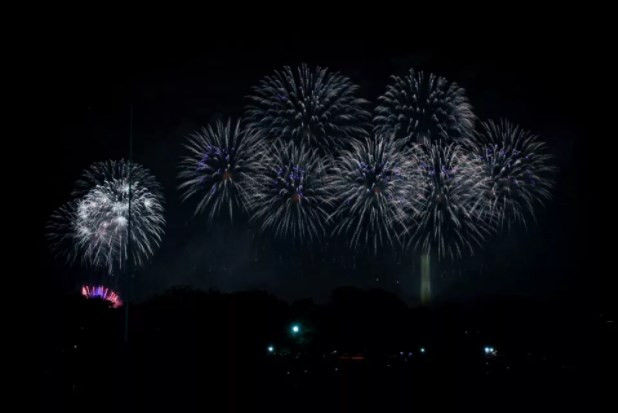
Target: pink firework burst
[[102, 293]]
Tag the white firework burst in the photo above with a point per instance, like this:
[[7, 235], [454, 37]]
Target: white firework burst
[[94, 226], [316, 108], [220, 162], [289, 196], [519, 168], [453, 200], [420, 107], [371, 193]]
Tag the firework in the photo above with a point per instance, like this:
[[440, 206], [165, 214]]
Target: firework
[[371, 193], [316, 108], [61, 231], [421, 107], [102, 293], [519, 169], [218, 167], [94, 226], [289, 195], [453, 200]]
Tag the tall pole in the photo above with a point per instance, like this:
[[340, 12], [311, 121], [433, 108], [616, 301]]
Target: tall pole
[[129, 261]]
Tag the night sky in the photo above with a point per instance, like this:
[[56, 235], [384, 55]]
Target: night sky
[[176, 86]]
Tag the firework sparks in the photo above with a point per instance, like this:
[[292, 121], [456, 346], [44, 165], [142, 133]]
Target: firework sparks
[[94, 226], [519, 169], [102, 293], [289, 195], [218, 167], [316, 108], [370, 188], [453, 200], [421, 107]]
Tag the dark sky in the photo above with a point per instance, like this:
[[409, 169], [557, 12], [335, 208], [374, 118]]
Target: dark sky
[[176, 85]]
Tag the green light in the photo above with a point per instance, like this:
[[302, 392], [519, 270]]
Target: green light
[[295, 329]]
